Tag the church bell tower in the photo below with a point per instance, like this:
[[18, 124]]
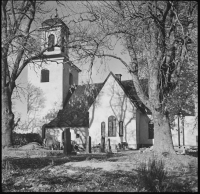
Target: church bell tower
[[53, 74], [55, 36]]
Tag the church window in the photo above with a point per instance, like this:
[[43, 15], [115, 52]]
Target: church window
[[111, 126], [63, 136], [70, 79], [103, 129], [121, 128], [51, 42], [63, 44], [151, 130], [44, 75]]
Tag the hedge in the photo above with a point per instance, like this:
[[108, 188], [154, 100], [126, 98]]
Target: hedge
[[20, 139]]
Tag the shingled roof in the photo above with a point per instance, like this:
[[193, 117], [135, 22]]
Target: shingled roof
[[130, 91], [75, 111], [79, 100]]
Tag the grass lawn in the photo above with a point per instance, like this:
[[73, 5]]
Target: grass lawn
[[120, 172]]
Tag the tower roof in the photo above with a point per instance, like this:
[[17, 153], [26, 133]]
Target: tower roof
[[53, 22]]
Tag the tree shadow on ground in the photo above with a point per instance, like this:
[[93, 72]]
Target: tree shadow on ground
[[59, 180], [41, 162], [86, 178]]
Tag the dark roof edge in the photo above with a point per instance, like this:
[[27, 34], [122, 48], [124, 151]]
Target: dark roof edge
[[119, 82], [74, 66], [100, 89], [111, 73]]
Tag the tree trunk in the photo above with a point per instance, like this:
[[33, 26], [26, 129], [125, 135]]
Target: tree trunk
[[7, 118], [162, 134]]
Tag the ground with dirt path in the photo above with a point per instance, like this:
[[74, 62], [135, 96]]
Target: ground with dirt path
[[89, 172]]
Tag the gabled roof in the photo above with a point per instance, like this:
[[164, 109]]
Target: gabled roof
[[130, 91], [75, 111], [78, 101]]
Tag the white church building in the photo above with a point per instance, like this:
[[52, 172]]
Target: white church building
[[110, 109]]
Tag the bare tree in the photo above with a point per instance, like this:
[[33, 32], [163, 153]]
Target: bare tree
[[158, 35], [35, 102], [20, 46]]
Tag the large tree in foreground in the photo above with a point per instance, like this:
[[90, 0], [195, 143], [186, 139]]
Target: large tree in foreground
[[19, 46], [158, 35]]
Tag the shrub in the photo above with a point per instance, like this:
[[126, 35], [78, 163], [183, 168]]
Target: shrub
[[7, 170], [23, 139], [151, 175]]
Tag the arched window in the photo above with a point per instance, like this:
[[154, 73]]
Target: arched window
[[70, 79], [51, 42], [121, 128], [103, 131], [111, 126], [151, 130], [44, 75]]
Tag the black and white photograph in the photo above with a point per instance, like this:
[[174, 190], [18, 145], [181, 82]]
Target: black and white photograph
[[99, 96]]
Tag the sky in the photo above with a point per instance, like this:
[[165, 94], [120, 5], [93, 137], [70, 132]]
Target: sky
[[99, 71]]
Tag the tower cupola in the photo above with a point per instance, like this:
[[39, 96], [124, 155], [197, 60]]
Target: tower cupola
[[55, 36]]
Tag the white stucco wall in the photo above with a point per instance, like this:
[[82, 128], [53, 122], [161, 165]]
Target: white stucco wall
[[190, 131], [57, 133], [83, 133], [112, 101], [52, 90]]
